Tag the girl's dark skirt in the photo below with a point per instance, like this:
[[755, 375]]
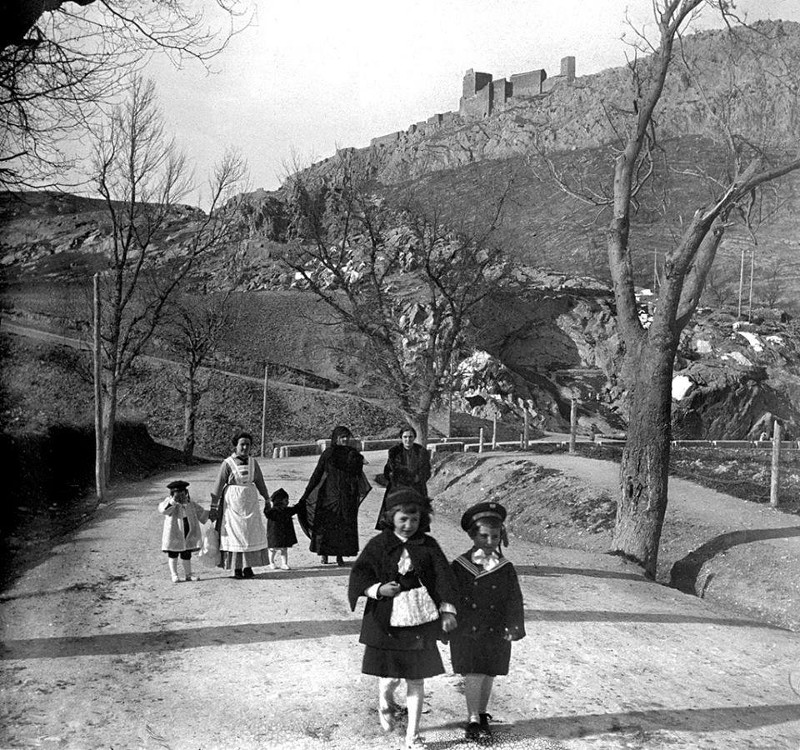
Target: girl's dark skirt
[[490, 656], [408, 665]]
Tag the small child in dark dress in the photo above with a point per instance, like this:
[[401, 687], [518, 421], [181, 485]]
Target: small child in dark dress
[[280, 529], [491, 613], [409, 588]]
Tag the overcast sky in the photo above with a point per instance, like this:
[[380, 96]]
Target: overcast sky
[[310, 76]]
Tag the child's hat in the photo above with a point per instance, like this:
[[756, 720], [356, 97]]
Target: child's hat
[[279, 494], [482, 510], [178, 484]]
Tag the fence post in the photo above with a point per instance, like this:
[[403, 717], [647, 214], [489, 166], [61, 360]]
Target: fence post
[[777, 434], [480, 441], [526, 432], [573, 424], [494, 432]]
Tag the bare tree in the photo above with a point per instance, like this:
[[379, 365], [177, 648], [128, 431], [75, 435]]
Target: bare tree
[[399, 278], [749, 102], [60, 59], [141, 176], [196, 326]]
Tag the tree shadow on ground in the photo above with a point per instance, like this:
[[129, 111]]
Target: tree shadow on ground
[[551, 570], [644, 725], [685, 572], [573, 615], [106, 644], [727, 718]]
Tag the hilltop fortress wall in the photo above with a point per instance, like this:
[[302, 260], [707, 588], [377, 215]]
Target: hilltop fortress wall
[[482, 96]]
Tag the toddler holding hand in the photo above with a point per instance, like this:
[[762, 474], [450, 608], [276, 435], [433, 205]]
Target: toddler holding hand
[[181, 534]]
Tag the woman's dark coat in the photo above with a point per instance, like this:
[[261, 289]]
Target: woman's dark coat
[[405, 468], [378, 564], [329, 506]]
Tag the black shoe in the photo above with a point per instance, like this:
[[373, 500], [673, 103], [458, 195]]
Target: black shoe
[[237, 574], [323, 559], [248, 573], [485, 729], [339, 561], [473, 731]]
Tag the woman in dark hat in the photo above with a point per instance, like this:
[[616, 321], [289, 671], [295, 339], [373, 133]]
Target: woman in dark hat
[[237, 510], [329, 506]]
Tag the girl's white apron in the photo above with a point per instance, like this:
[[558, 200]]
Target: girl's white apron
[[243, 526]]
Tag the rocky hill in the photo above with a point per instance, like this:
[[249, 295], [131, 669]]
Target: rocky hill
[[549, 334]]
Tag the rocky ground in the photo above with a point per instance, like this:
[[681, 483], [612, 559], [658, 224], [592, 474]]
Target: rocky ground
[[100, 650]]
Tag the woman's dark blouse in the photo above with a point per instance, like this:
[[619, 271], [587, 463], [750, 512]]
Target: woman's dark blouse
[[410, 468], [377, 563]]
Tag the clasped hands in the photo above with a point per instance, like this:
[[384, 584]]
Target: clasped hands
[[393, 588]]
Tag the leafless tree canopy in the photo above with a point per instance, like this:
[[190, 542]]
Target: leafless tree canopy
[[141, 175], [396, 275], [61, 59]]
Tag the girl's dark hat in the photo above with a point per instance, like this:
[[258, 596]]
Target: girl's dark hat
[[178, 484], [482, 510], [404, 496]]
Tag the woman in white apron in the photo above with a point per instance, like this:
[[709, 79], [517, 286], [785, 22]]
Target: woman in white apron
[[237, 511]]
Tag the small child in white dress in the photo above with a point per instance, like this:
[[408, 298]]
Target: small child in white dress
[[182, 534]]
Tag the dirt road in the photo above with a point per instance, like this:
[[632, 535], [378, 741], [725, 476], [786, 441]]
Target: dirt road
[[100, 650]]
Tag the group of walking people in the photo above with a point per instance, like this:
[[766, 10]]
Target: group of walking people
[[414, 597]]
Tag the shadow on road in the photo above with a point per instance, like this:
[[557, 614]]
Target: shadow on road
[[232, 635], [685, 571], [730, 718], [175, 640]]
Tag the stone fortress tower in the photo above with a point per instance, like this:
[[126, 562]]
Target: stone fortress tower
[[481, 96]]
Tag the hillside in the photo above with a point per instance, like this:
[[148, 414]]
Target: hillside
[[549, 334]]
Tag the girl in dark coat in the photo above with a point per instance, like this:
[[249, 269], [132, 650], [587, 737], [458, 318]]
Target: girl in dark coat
[[280, 529], [401, 561], [408, 465], [493, 615], [329, 505]]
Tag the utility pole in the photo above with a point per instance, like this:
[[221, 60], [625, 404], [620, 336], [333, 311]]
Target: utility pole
[[264, 411], [741, 285]]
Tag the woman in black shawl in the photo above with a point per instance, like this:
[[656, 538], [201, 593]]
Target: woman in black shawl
[[329, 506]]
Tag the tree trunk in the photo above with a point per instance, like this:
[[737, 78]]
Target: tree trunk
[[419, 421], [97, 373], [644, 470], [189, 418], [109, 417]]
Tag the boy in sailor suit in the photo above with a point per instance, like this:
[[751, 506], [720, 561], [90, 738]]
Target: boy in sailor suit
[[490, 609]]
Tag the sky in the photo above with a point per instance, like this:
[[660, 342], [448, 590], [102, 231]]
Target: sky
[[308, 77]]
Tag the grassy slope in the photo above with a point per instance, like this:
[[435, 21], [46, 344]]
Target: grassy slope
[[41, 385]]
